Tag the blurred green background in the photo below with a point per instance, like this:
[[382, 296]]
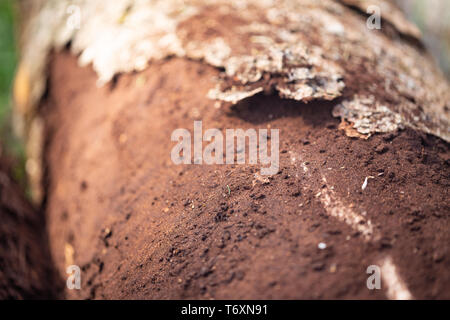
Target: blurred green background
[[10, 146], [8, 58], [433, 19]]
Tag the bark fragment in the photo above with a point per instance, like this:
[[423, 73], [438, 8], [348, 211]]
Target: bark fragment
[[304, 50]]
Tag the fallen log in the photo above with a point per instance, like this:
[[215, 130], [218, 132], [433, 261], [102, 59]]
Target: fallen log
[[364, 156]]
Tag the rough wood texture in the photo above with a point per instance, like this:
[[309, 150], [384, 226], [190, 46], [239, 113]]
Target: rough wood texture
[[141, 227], [304, 50]]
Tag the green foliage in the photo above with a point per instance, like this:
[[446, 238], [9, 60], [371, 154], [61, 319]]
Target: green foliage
[[8, 58], [8, 61]]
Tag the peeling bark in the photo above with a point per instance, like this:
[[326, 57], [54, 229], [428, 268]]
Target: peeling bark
[[121, 210], [304, 50]]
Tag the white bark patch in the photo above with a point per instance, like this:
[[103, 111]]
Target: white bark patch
[[301, 49], [368, 116], [396, 288], [233, 95], [343, 213], [273, 50]]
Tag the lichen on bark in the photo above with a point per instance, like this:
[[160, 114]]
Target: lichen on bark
[[303, 50]]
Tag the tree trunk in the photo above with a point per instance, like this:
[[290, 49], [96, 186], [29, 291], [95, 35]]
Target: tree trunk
[[363, 165]]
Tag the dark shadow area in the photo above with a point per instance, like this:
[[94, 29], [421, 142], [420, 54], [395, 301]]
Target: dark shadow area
[[263, 108], [26, 267]]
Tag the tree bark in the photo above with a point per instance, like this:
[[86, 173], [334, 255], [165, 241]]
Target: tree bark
[[364, 156]]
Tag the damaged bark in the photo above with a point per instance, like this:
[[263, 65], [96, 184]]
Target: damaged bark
[[148, 67], [304, 50]]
